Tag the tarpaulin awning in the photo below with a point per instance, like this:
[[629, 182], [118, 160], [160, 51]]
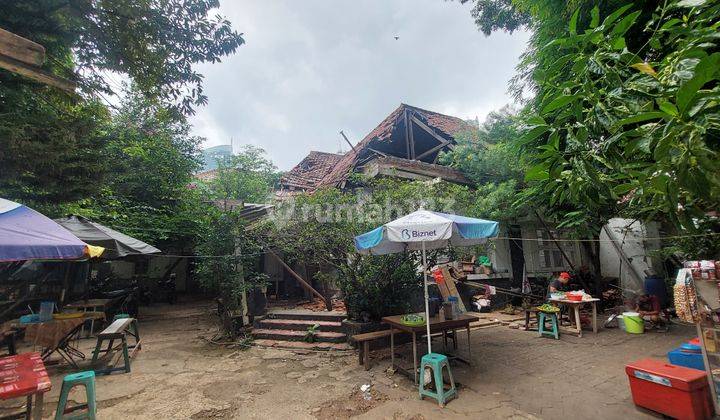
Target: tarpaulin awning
[[116, 244], [28, 235]]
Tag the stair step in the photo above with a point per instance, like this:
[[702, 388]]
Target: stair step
[[301, 345], [292, 335], [299, 324], [332, 316]]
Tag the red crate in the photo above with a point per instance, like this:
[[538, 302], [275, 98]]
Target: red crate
[[674, 391]]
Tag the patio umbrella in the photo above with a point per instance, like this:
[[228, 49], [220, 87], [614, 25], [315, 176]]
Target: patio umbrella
[[28, 235], [423, 230], [116, 244]]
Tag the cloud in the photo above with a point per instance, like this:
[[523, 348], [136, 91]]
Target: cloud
[[310, 69]]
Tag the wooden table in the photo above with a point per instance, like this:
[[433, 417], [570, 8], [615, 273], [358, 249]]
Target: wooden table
[[58, 335], [436, 325], [90, 305], [575, 305], [24, 375]]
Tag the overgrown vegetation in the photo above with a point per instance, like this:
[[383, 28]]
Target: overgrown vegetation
[[622, 116]]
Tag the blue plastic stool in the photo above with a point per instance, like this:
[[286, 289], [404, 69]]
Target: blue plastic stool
[[86, 379], [553, 318], [436, 362]]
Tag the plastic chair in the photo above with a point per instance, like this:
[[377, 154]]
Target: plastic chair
[[437, 362], [86, 379], [553, 318]]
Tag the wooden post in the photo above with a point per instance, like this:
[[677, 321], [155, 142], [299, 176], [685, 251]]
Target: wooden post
[[36, 74], [622, 255], [21, 49], [411, 135], [407, 133], [303, 283]]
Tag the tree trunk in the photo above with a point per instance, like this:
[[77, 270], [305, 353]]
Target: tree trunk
[[592, 248]]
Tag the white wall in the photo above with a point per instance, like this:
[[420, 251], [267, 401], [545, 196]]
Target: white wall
[[630, 235]]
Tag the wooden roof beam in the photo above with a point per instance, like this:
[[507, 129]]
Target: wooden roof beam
[[21, 49]]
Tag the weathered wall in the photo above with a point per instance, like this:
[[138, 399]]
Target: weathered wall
[[630, 235]]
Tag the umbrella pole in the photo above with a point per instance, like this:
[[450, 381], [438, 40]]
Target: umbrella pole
[[427, 307]]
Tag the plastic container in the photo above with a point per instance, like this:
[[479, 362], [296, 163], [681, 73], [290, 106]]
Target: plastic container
[[634, 323], [687, 355], [574, 297], [674, 391], [655, 285], [447, 310], [621, 322], [455, 306], [46, 311], [30, 319]]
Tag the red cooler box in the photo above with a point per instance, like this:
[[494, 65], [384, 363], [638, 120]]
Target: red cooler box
[[674, 391]]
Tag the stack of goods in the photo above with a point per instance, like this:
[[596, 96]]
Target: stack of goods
[[703, 270], [685, 299]]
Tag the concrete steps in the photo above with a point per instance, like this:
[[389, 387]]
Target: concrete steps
[[299, 324], [291, 326], [301, 345], [299, 314], [292, 335]]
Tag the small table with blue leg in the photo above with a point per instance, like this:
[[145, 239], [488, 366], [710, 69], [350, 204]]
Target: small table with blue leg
[[436, 326]]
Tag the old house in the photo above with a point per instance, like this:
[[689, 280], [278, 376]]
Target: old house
[[407, 144]]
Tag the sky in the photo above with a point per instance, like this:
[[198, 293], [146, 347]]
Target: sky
[[310, 69]]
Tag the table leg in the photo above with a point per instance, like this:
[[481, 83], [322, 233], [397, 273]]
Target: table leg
[[28, 408], [38, 412], [594, 317], [392, 347], [576, 309], [470, 361], [415, 365]]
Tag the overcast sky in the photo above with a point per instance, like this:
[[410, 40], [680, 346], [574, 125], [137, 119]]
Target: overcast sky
[[310, 69]]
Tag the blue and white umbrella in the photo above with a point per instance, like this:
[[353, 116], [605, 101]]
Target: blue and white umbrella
[[423, 230]]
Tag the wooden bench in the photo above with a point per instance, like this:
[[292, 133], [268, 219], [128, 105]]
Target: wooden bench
[[118, 330], [363, 341]]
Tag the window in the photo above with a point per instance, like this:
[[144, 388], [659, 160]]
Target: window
[[550, 257]]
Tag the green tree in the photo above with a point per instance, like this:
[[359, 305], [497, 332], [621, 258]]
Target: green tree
[[145, 192], [318, 229], [632, 131], [52, 145], [155, 43], [248, 176]]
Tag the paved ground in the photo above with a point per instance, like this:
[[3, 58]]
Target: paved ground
[[178, 374]]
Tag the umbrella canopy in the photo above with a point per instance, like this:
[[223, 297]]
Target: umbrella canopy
[[422, 230], [431, 229], [28, 235], [116, 244]]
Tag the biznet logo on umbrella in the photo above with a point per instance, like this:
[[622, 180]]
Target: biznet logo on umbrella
[[408, 234]]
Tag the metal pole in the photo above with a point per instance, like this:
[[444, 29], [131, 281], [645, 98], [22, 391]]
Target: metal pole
[[427, 307]]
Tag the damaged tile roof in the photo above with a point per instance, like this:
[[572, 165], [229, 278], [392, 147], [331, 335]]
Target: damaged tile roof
[[310, 171], [445, 124]]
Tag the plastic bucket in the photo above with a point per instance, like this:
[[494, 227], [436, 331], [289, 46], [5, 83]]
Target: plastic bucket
[[46, 311], [634, 324], [621, 322]]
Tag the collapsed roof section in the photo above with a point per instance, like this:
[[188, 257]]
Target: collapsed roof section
[[310, 171], [406, 144], [409, 133]]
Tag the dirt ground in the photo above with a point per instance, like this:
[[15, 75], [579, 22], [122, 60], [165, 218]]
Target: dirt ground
[[516, 374]]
